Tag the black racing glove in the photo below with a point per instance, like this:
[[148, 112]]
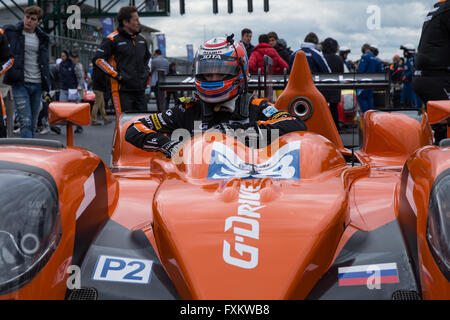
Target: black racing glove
[[48, 98], [171, 148], [118, 77]]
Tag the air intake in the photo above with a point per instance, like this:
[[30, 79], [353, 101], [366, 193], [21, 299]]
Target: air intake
[[83, 294], [405, 295]]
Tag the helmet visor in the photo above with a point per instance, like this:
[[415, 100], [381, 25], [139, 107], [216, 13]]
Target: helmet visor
[[216, 64]]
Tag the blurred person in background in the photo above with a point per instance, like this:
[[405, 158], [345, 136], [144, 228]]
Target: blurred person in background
[[408, 97], [159, 63], [29, 77], [100, 85], [6, 62], [431, 79], [282, 50], [246, 38], [174, 94], [367, 64], [79, 73], [343, 53], [330, 49], [316, 60], [256, 61]]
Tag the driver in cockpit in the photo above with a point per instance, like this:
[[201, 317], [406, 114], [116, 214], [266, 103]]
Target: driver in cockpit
[[221, 102]]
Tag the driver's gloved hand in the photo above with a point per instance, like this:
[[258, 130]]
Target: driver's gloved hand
[[171, 148]]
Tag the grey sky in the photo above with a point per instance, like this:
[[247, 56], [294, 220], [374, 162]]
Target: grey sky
[[346, 21]]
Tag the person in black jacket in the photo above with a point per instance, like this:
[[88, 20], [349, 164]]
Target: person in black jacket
[[100, 86], [246, 38], [174, 94], [283, 51], [6, 62], [124, 56], [30, 74], [330, 48], [431, 80], [68, 82]]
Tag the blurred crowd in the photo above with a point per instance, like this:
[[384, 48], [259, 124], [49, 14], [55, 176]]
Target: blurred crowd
[[327, 56]]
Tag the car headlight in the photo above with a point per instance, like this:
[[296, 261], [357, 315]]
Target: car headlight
[[30, 226], [438, 227]]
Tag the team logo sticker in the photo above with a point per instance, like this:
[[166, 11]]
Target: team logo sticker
[[120, 269], [284, 164], [269, 111]]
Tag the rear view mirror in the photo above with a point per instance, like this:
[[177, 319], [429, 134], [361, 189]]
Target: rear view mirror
[[439, 111], [69, 113]]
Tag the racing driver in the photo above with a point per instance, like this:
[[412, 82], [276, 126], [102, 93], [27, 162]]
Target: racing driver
[[221, 102]]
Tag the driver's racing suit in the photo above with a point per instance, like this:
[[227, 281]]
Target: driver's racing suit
[[151, 133]]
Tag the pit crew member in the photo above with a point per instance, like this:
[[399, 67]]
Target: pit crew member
[[431, 79], [124, 56]]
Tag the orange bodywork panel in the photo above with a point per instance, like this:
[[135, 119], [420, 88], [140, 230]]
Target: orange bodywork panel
[[439, 111], [124, 154], [288, 226], [422, 170], [63, 112], [390, 138], [70, 168], [68, 113], [301, 85]]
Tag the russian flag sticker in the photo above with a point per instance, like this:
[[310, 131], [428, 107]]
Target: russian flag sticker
[[368, 274]]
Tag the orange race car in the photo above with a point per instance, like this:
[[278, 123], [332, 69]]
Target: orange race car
[[303, 218]]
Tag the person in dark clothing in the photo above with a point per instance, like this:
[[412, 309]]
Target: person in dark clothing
[[343, 53], [159, 64], [29, 77], [285, 49], [257, 59], [124, 56], [100, 85], [246, 38], [68, 83], [316, 61], [333, 96], [368, 63], [396, 69], [380, 64], [221, 103], [174, 94], [408, 97], [431, 80], [281, 49], [6, 62]]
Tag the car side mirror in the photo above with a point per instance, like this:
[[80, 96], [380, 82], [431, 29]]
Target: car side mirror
[[69, 113], [439, 111]]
